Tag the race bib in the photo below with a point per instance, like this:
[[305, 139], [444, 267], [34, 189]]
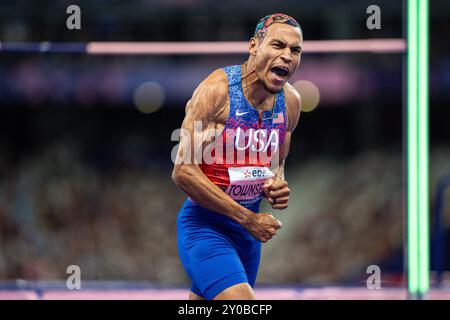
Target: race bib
[[246, 183]]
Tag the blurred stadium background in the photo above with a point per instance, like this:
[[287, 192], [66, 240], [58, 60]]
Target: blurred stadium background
[[85, 146]]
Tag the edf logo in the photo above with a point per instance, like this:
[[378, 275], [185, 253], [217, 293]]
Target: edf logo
[[258, 173]]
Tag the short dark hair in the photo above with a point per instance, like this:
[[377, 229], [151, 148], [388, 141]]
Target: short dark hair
[[267, 21]]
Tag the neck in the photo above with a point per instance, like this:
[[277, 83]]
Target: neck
[[254, 88]]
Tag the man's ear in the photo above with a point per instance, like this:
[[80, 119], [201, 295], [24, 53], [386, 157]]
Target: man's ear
[[253, 46]]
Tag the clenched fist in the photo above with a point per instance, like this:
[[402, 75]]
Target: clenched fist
[[262, 226], [277, 193]]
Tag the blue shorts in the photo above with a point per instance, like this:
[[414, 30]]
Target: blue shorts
[[215, 251]]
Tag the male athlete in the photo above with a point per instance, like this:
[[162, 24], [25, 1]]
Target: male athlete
[[255, 110]]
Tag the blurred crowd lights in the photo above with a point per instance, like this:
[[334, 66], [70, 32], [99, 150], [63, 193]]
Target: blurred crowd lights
[[149, 97], [309, 93]]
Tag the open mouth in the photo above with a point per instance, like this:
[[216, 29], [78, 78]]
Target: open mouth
[[280, 73]]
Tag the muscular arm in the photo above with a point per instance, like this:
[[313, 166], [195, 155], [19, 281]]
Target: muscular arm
[[293, 109], [279, 187], [207, 104]]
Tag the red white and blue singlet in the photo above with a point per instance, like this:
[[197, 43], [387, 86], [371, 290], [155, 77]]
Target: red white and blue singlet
[[216, 251], [249, 141]]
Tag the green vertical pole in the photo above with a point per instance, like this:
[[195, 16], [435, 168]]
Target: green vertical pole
[[417, 146]]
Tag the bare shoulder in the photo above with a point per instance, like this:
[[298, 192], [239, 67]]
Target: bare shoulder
[[210, 96], [293, 105], [218, 79], [215, 84]]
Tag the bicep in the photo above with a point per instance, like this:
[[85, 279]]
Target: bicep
[[284, 147], [293, 106], [201, 113], [191, 129]]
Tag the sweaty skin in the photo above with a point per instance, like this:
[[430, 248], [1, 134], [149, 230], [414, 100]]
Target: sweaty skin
[[210, 104]]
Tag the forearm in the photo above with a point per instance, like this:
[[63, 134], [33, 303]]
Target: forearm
[[192, 181], [279, 171]]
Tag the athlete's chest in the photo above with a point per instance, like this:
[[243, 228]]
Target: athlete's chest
[[246, 129]]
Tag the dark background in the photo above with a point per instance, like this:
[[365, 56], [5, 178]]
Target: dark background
[[85, 176]]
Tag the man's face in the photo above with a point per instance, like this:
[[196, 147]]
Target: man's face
[[278, 55]]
